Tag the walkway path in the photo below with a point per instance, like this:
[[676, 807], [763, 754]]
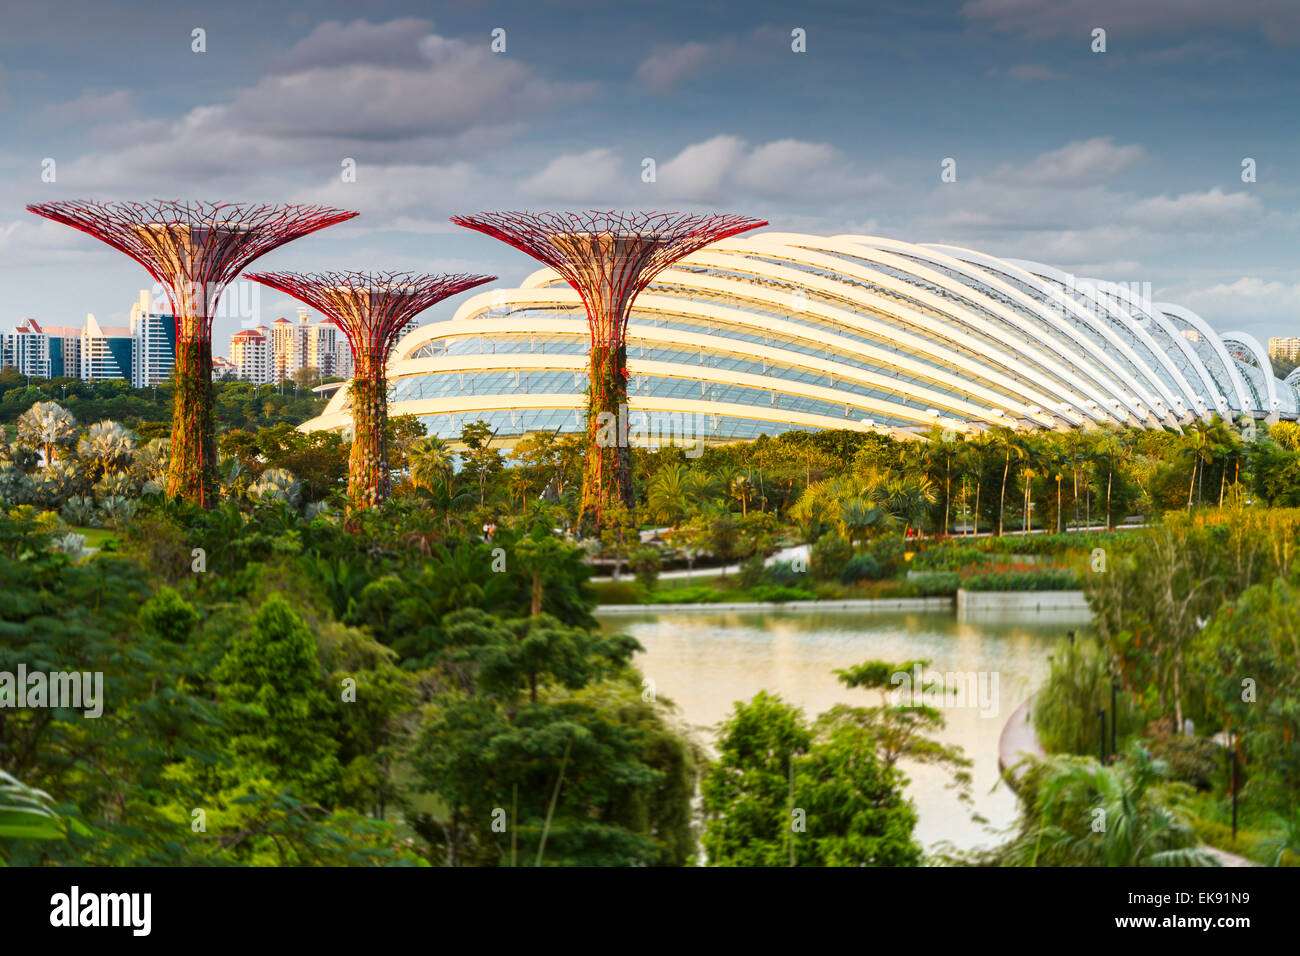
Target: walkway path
[[785, 554], [1018, 741]]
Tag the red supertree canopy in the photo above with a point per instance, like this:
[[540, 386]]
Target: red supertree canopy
[[608, 257], [193, 249], [370, 307]]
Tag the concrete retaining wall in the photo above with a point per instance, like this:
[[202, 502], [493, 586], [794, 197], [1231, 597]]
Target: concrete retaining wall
[[883, 604], [1001, 602]]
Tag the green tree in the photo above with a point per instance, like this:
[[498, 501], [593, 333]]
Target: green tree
[[779, 796], [270, 686]]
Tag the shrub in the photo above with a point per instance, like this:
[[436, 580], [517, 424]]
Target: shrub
[[692, 595], [645, 564], [1193, 760], [829, 555], [783, 573], [779, 595], [862, 567], [1052, 543], [71, 544], [1065, 710], [888, 552], [1018, 578], [948, 558], [617, 592], [752, 571], [936, 584]]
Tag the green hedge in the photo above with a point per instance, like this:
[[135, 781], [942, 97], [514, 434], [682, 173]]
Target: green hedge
[[1049, 543], [947, 558], [618, 592], [938, 584], [1020, 579], [779, 594]]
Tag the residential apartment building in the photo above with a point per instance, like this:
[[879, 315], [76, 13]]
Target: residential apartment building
[[107, 351], [49, 351], [251, 355], [153, 343], [1287, 348]]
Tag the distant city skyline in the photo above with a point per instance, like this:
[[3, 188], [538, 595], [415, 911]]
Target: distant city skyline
[[1129, 165]]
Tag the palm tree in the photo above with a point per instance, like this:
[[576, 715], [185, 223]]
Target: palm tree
[[430, 462], [742, 489], [1106, 450], [1075, 445], [908, 500], [669, 495], [1084, 813], [1225, 446], [279, 484], [1005, 440], [856, 517], [151, 460], [47, 425], [972, 463], [1201, 449], [445, 500], [699, 485], [107, 446], [1034, 454]]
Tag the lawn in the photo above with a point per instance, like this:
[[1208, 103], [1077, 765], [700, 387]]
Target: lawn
[[96, 537]]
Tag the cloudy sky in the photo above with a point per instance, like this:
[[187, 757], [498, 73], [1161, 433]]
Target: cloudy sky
[[1125, 164]]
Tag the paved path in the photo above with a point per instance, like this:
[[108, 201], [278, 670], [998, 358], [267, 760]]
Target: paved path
[[1019, 740], [785, 554]]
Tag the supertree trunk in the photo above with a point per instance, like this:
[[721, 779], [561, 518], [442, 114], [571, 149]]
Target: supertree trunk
[[608, 258], [192, 472], [607, 476], [194, 250], [368, 480], [371, 308]]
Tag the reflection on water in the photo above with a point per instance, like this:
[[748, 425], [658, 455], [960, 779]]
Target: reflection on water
[[705, 661]]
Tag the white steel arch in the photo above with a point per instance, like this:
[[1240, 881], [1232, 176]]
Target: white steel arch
[[786, 330]]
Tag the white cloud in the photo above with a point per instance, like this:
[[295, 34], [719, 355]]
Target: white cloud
[[401, 97], [1278, 21], [90, 107], [1080, 163], [668, 66], [726, 168], [1030, 73], [395, 43], [596, 176], [1204, 212], [699, 171]]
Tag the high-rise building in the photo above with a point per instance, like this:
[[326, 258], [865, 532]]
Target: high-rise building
[[283, 349], [153, 343], [251, 355], [50, 351], [1285, 348], [223, 368], [106, 351], [307, 344]]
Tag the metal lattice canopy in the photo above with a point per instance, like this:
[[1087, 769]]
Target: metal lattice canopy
[[192, 249], [370, 307], [608, 257]]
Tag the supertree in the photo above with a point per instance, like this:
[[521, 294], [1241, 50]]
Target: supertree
[[193, 250], [608, 258], [371, 308]]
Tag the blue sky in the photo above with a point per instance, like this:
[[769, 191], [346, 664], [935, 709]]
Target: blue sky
[[1123, 165]]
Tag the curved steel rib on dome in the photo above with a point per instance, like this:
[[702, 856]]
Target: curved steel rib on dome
[[782, 331]]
